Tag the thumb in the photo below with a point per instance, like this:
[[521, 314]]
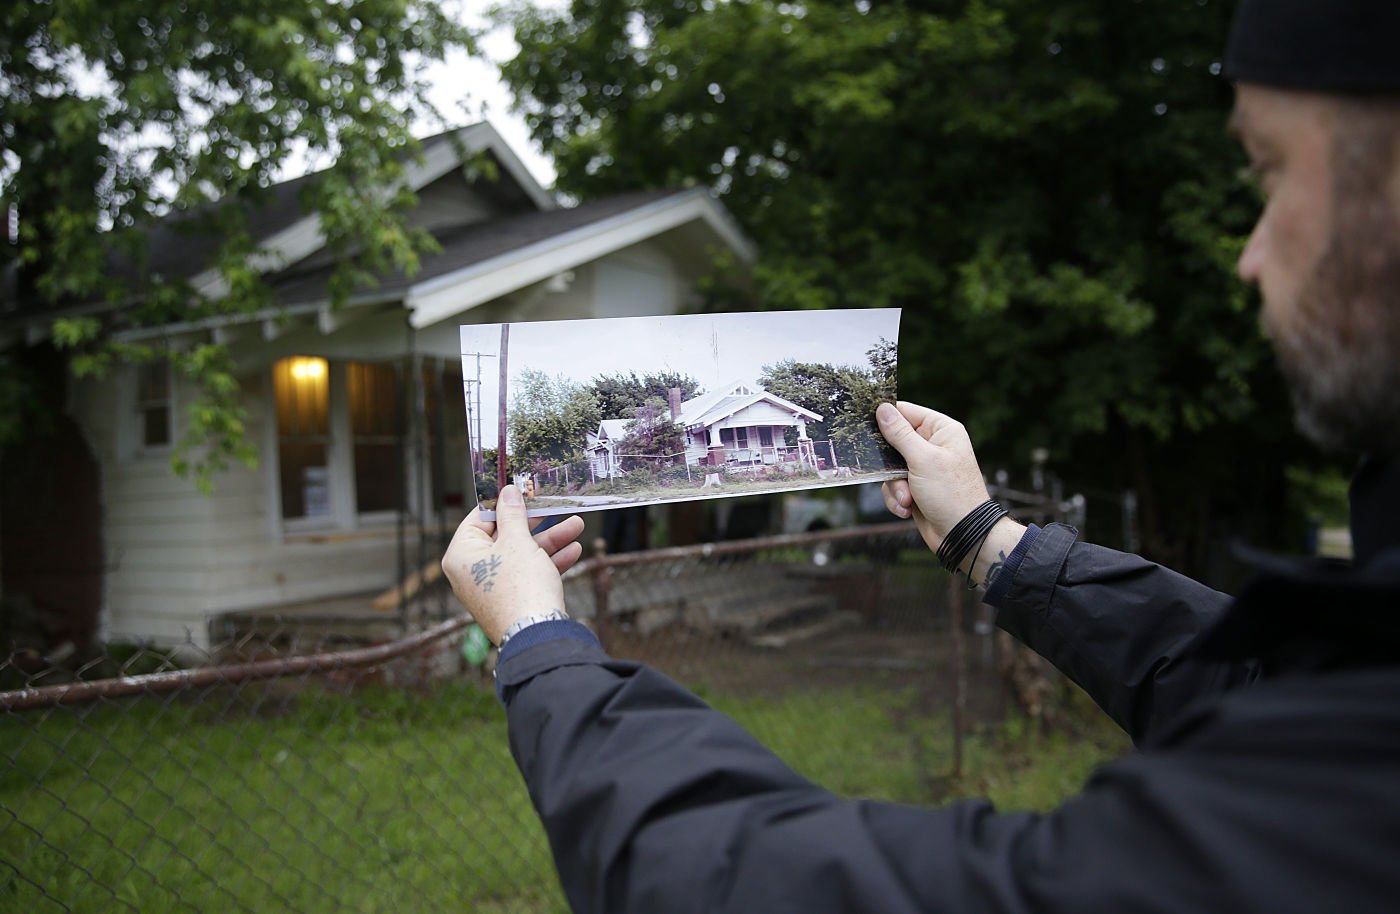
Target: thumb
[[511, 519], [900, 434]]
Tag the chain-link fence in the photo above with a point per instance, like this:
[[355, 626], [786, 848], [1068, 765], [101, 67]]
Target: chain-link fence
[[274, 774], [744, 464]]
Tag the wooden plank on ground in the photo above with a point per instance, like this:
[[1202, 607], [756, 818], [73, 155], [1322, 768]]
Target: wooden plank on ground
[[415, 582]]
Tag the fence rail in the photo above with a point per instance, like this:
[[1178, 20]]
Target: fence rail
[[377, 778]]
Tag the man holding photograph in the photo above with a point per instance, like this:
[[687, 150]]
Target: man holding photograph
[[1267, 776]]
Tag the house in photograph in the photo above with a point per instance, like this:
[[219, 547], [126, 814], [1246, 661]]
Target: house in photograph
[[602, 448], [738, 426], [356, 411]]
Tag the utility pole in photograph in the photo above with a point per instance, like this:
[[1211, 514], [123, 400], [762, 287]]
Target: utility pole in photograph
[[501, 479], [474, 411]]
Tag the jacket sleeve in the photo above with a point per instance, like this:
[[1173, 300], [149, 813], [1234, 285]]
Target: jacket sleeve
[[1125, 629], [653, 802]]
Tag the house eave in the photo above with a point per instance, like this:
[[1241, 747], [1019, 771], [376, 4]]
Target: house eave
[[445, 296], [304, 237]]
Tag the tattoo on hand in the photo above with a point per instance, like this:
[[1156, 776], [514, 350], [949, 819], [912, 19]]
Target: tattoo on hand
[[995, 570], [484, 572]]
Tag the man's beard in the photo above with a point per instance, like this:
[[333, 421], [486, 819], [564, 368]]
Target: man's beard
[[1342, 355]]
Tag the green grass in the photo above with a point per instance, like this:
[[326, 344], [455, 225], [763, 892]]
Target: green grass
[[393, 801]]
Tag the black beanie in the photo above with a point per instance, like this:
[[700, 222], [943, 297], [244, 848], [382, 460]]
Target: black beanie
[[1327, 45]]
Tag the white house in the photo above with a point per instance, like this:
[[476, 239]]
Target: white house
[[601, 446], [357, 412], [739, 426]]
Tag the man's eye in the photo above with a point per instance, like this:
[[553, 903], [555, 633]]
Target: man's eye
[[1260, 176]]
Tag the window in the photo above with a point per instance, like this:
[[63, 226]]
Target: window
[[742, 437], [153, 404], [375, 430], [301, 388], [344, 450], [765, 436]]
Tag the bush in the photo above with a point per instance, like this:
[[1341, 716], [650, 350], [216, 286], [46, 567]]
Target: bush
[[634, 480], [677, 477]]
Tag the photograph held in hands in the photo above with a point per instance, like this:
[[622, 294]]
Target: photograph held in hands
[[599, 414]]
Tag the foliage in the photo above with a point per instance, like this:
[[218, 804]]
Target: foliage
[[1046, 189], [652, 432], [123, 118], [844, 396], [549, 419], [486, 486], [619, 394]]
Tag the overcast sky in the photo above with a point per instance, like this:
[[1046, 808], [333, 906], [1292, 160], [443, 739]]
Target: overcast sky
[[714, 349], [477, 81]]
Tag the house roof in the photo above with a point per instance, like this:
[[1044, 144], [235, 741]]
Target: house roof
[[479, 262], [725, 401], [600, 228], [613, 429], [467, 246], [183, 245]]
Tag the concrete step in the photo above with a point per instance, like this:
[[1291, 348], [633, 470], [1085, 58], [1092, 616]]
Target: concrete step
[[753, 616]]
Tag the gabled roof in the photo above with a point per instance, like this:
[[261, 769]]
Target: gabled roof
[[479, 262], [613, 429], [468, 246], [181, 246], [725, 401], [597, 229]]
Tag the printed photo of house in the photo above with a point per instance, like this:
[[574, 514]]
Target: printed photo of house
[[594, 414]]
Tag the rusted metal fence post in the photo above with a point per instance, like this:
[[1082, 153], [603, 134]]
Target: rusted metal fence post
[[602, 584], [956, 596]]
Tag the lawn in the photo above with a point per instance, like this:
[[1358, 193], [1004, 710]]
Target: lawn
[[389, 801]]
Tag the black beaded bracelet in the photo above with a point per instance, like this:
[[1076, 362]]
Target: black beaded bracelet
[[968, 532]]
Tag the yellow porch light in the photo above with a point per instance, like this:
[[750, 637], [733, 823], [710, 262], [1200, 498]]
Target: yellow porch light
[[308, 369]]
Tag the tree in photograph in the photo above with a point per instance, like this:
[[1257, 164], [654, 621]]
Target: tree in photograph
[[549, 419], [823, 389], [853, 428], [1046, 189], [121, 115], [619, 393], [651, 433], [844, 396]]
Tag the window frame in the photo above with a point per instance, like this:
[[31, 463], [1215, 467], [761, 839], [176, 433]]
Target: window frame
[[345, 514], [141, 406]]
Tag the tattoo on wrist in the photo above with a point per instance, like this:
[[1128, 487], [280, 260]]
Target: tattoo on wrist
[[484, 573], [995, 570]]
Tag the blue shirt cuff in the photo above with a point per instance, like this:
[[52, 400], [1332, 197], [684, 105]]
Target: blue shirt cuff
[[539, 633], [1008, 567]]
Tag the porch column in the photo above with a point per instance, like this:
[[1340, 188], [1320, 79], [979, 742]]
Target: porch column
[[715, 457]]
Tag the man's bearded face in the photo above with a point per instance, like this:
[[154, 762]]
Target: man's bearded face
[[1326, 257], [1342, 360]]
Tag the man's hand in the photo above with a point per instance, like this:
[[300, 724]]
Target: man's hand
[[944, 482], [501, 573]]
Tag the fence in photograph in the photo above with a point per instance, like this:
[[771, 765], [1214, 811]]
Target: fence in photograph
[[311, 765], [645, 476]]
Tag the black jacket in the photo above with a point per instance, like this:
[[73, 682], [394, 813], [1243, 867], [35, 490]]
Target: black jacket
[[1282, 796]]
